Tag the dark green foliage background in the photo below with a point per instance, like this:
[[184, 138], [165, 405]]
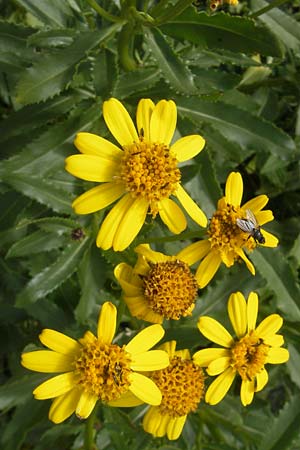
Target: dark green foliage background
[[59, 60]]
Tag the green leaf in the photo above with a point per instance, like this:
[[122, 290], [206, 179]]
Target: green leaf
[[239, 34], [52, 38], [36, 242], [13, 41], [174, 70], [138, 81], [18, 391], [105, 73], [51, 74], [274, 268], [294, 364], [53, 276], [55, 13]]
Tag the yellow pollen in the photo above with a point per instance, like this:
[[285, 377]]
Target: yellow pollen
[[103, 370], [171, 289], [181, 385], [249, 355], [149, 170]]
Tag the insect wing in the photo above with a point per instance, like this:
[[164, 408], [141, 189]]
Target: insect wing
[[251, 218], [245, 225]]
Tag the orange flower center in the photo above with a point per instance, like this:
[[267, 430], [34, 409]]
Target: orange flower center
[[249, 355], [171, 289], [103, 369], [181, 385], [149, 170]]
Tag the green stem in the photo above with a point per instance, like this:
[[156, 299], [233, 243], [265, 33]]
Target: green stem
[[125, 47], [103, 13], [89, 431], [180, 6], [267, 8]]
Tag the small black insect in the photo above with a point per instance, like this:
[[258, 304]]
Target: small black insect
[[251, 226]]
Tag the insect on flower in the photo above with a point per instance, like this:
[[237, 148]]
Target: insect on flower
[[251, 226]]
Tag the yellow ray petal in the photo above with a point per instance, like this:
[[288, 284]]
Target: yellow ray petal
[[261, 380], [145, 389], [269, 326], [263, 217], [248, 263], [208, 268], [247, 392], [191, 207], [126, 400], [48, 361], [143, 117], [194, 252], [237, 311], [86, 404], [214, 331], [139, 307], [277, 355], [119, 122], [175, 427], [172, 216], [132, 222], [163, 122], [256, 203], [252, 310], [150, 360], [59, 342], [220, 386], [218, 365], [152, 317], [234, 189], [169, 347], [107, 322], [98, 198], [91, 168], [271, 240], [274, 341], [63, 406], [130, 282], [151, 255], [152, 420], [187, 147], [91, 144], [145, 339], [205, 356], [56, 386], [163, 425]]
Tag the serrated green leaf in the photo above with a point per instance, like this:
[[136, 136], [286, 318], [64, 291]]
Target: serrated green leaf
[[53, 38], [15, 392], [53, 276], [239, 34], [36, 242], [13, 41], [274, 268], [294, 364], [133, 82], [51, 74], [174, 70], [55, 13], [59, 225], [105, 73]]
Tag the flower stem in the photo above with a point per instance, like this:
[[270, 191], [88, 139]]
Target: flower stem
[[267, 8], [89, 431], [125, 40], [103, 13]]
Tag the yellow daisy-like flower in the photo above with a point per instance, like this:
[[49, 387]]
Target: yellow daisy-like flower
[[158, 286], [182, 388], [93, 368], [143, 174], [246, 355], [227, 238]]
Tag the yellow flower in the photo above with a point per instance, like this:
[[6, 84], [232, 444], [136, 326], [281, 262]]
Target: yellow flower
[[182, 387], [226, 241], [158, 286], [245, 355], [93, 368], [143, 174]]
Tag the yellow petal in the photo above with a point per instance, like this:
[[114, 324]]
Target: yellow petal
[[132, 222], [265, 216], [169, 347], [249, 264], [91, 168], [234, 189], [187, 147], [145, 389], [256, 204], [237, 311], [98, 198], [63, 406], [220, 386], [59, 342], [150, 360], [172, 216], [207, 268], [271, 240], [175, 427], [274, 341], [145, 339], [47, 361], [138, 307], [86, 404], [205, 356], [151, 255], [56, 386], [163, 122], [126, 400], [269, 326], [143, 117], [119, 122], [107, 322], [252, 310], [218, 365], [261, 380], [191, 207], [194, 252], [152, 421], [130, 282], [91, 144], [214, 331], [277, 355], [247, 392]]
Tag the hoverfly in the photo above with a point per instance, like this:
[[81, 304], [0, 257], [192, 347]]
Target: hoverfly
[[251, 226]]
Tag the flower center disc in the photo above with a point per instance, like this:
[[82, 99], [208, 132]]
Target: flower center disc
[[103, 370], [249, 355], [150, 171], [171, 289], [181, 385]]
